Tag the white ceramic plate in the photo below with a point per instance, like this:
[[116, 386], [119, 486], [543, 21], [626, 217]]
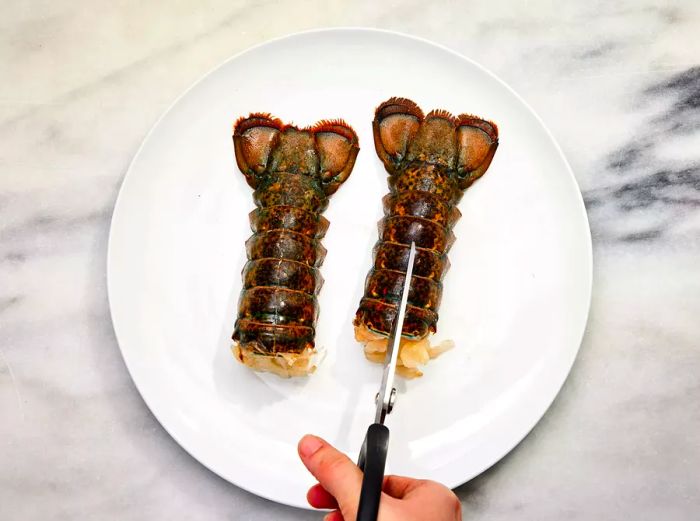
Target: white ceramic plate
[[515, 301]]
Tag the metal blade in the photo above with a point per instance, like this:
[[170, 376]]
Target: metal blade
[[387, 393]]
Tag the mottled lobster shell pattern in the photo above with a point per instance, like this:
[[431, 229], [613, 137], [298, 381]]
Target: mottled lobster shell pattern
[[431, 161], [293, 172]]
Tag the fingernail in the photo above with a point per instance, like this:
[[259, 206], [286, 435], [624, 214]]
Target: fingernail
[[309, 445]]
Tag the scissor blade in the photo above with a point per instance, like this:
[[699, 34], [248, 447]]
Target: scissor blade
[[384, 399]]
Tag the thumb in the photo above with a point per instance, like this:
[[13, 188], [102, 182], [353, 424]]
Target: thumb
[[334, 471]]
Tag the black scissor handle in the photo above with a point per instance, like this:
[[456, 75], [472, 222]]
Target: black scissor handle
[[372, 461]]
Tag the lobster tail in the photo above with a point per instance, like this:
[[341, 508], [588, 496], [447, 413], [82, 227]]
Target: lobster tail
[[293, 172], [431, 160]]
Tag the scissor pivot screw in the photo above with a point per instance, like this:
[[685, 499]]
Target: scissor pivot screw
[[392, 399]]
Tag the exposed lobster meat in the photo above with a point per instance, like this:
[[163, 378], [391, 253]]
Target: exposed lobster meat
[[293, 172], [431, 161]]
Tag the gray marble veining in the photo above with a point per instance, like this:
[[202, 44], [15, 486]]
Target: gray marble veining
[[653, 187], [617, 82]]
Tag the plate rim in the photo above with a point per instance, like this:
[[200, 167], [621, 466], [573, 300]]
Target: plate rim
[[588, 260]]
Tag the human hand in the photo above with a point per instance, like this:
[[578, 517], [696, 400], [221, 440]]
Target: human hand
[[340, 481]]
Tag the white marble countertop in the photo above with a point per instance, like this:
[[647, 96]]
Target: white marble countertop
[[617, 82]]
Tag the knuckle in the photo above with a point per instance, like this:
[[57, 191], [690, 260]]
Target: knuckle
[[448, 497]]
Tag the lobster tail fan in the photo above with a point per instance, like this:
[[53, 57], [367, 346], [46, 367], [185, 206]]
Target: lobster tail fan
[[336, 126], [440, 114], [256, 119], [435, 142], [477, 141], [396, 123], [337, 148], [254, 138]]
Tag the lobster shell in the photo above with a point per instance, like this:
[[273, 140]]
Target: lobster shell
[[293, 172], [431, 160]]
